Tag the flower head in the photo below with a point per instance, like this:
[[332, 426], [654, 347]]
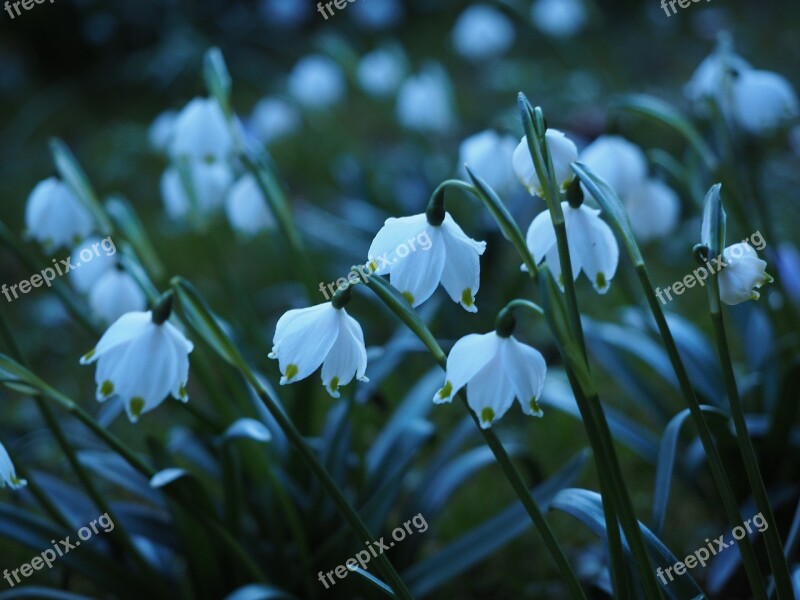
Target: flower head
[[210, 181], [201, 132], [247, 208], [114, 294], [762, 101], [8, 476], [381, 72], [495, 369], [744, 273], [621, 164], [272, 119], [419, 256], [481, 32], [489, 154], [424, 102], [317, 82], [142, 362], [55, 217], [564, 153], [306, 338], [559, 18], [653, 209]]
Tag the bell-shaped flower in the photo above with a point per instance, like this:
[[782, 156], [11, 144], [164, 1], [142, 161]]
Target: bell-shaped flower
[[306, 338], [246, 207], [564, 153], [419, 256], [424, 102], [55, 217], [744, 273], [114, 294], [559, 18], [762, 101], [210, 181], [618, 162], [272, 119], [8, 476], [142, 362], [495, 369], [90, 271], [317, 82], [713, 78], [160, 133], [381, 72], [489, 155], [592, 246], [653, 209], [201, 132], [482, 32]]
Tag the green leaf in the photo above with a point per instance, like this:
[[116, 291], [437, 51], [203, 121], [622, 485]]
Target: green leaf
[[712, 233], [374, 581], [125, 218], [249, 429], [217, 78]]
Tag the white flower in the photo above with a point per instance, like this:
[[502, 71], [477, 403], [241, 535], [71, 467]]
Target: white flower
[[419, 256], [201, 132], [306, 338], [55, 217], [246, 207], [564, 153], [653, 209], [592, 246], [482, 32], [8, 476], [317, 82], [559, 18], [495, 369], [712, 78], [424, 102], [744, 272], [380, 72], [618, 162], [114, 294], [273, 119], [489, 155], [141, 362], [210, 182], [377, 15], [160, 133], [90, 270], [762, 101]]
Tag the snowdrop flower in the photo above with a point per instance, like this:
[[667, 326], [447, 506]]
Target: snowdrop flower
[[653, 209], [91, 270], [712, 78], [115, 294], [744, 272], [564, 153], [489, 155], [201, 132], [621, 164], [559, 18], [482, 32], [210, 181], [160, 132], [141, 359], [419, 255], [273, 119], [306, 338], [592, 246], [317, 82], [8, 476], [424, 102], [495, 369], [246, 207], [55, 217], [380, 72], [762, 101]]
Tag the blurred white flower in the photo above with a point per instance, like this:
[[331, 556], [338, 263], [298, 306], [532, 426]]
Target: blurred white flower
[[317, 82], [592, 246], [8, 476], [653, 209], [201, 132], [306, 338], [114, 294], [712, 78], [425, 101], [55, 217], [284, 14], [246, 207], [495, 369], [762, 101], [482, 31], [273, 119], [744, 272], [210, 182], [160, 132], [621, 164], [564, 153], [90, 271], [445, 255], [489, 155], [377, 15], [380, 72], [141, 362], [559, 18]]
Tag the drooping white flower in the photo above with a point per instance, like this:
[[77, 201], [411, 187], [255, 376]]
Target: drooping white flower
[[762, 101], [142, 362], [713, 77], [481, 32], [419, 256], [592, 246], [201, 132], [653, 209], [160, 133], [744, 273], [380, 72], [114, 294], [495, 370], [210, 182], [55, 217], [317, 82], [306, 338], [424, 102], [246, 207], [621, 164], [564, 153], [90, 271], [489, 155], [559, 18], [272, 119], [8, 476]]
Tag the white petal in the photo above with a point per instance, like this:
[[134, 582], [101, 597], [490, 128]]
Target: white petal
[[246, 207], [201, 132], [461, 274], [525, 368], [347, 357], [524, 168], [621, 164], [541, 236], [467, 356], [653, 209], [303, 339], [594, 245], [564, 152], [393, 234], [115, 294], [128, 327], [8, 474], [417, 275], [489, 392], [762, 101]]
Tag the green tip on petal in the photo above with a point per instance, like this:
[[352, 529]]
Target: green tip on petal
[[409, 297], [137, 406], [535, 406], [755, 295], [107, 388], [768, 278], [373, 265], [16, 482], [601, 281], [487, 415], [291, 371], [466, 298], [182, 391], [446, 390], [88, 355], [334, 384]]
